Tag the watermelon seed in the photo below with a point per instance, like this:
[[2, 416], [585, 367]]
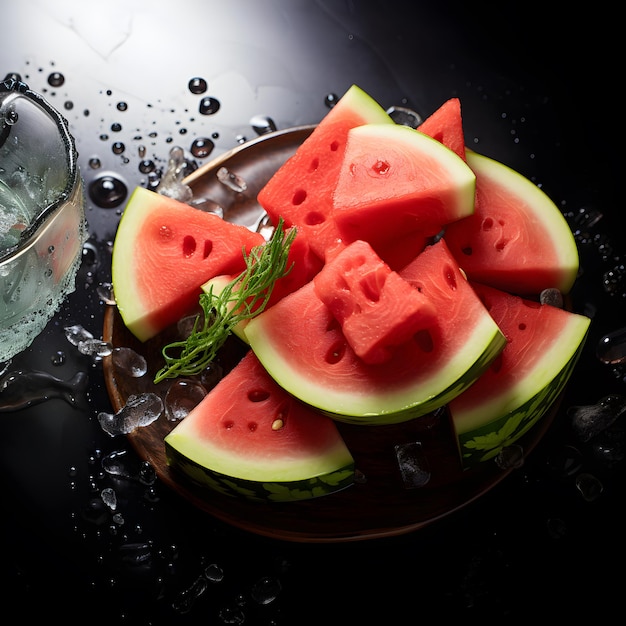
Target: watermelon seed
[[315, 163], [252, 426], [208, 247], [277, 424], [334, 146]]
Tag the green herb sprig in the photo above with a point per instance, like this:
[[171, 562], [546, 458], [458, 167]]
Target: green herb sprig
[[243, 298]]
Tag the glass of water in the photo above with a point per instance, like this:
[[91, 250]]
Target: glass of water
[[42, 217]]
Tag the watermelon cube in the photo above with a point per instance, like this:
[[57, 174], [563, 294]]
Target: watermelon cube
[[377, 309]]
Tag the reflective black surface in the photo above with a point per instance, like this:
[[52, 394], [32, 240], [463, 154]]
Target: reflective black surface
[[537, 93]]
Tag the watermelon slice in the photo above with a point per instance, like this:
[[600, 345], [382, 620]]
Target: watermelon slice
[[446, 126], [250, 438], [376, 308], [395, 180], [164, 252], [517, 239], [543, 346], [314, 362], [301, 190]]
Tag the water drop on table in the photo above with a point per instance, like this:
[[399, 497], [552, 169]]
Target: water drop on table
[[611, 348], [56, 79], [201, 147], [209, 106], [266, 590], [197, 85], [108, 191]]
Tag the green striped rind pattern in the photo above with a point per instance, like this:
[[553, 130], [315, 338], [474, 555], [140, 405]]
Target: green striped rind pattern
[[429, 404], [279, 491], [486, 442]]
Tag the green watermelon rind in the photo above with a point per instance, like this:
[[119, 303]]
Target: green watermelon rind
[[261, 491], [486, 441]]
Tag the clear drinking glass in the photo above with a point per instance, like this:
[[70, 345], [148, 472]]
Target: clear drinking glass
[[42, 217]]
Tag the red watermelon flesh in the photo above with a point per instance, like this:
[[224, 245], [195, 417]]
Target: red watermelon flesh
[[301, 190], [303, 348], [517, 239], [543, 345], [376, 308], [446, 126], [250, 437], [164, 252], [394, 181]]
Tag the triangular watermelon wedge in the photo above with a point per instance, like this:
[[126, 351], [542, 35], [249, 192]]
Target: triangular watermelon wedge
[[516, 391], [248, 437], [517, 239], [164, 252], [395, 180], [306, 200], [303, 348], [446, 126]]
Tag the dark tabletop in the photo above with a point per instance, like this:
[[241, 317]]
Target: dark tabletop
[[537, 93]]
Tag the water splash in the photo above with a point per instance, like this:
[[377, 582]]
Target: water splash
[[20, 389]]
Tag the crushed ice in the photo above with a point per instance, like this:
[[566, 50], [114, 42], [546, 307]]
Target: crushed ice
[[182, 396], [140, 410], [588, 421], [413, 464]]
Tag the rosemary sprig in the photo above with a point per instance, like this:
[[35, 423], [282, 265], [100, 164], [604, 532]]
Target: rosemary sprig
[[243, 298]]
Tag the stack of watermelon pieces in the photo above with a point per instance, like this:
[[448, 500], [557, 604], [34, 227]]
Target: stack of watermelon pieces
[[418, 267]]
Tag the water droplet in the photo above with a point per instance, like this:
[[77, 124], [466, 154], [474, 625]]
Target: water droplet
[[116, 127], [56, 79], [266, 590], [58, 358], [589, 486], [118, 147], [262, 124], [197, 85], [146, 166], [612, 347], [201, 147], [95, 163], [331, 100], [209, 106], [68, 105], [107, 191], [122, 106]]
